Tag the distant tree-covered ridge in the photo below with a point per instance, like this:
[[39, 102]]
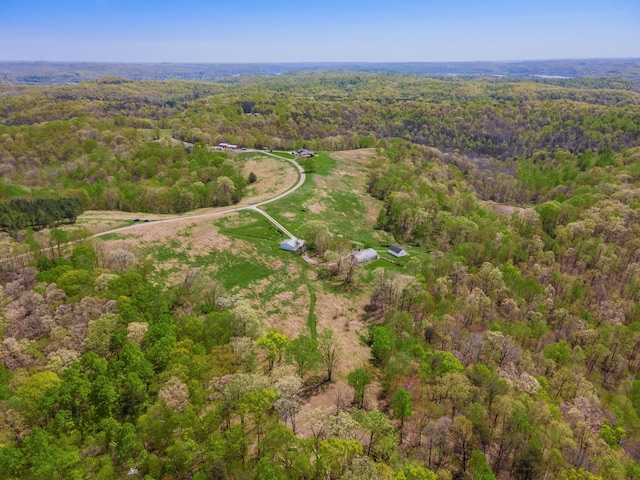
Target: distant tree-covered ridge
[[62, 73]]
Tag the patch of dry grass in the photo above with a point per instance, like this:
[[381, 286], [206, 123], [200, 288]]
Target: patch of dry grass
[[274, 177], [342, 315], [362, 156]]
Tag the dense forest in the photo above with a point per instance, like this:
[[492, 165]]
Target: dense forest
[[506, 346], [90, 139], [20, 213]]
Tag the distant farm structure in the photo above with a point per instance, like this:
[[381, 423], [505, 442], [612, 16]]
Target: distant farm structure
[[397, 251], [227, 146], [365, 256], [292, 245], [304, 153]]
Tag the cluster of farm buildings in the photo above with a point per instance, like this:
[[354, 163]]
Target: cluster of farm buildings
[[362, 256], [228, 146], [302, 153], [369, 254]]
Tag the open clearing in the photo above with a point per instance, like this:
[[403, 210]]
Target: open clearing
[[362, 156], [502, 209], [241, 250], [274, 177]]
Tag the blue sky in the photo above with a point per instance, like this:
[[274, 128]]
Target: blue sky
[[324, 30]]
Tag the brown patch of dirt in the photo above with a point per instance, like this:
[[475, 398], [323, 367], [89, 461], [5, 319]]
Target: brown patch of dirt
[[97, 226], [276, 265], [320, 182], [90, 215], [283, 297], [176, 277], [372, 209], [333, 394], [197, 237], [160, 232], [257, 288], [99, 221], [293, 271], [202, 237], [102, 220]]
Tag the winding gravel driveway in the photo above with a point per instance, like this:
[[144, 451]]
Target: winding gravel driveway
[[218, 213]]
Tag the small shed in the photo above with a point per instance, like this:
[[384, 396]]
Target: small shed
[[397, 251], [292, 244], [365, 256]]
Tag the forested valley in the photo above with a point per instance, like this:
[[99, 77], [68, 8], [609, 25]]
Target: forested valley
[[506, 345]]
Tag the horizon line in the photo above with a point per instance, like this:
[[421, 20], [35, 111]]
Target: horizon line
[[338, 62]]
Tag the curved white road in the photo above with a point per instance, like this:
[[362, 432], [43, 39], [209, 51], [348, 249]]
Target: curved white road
[[217, 213]]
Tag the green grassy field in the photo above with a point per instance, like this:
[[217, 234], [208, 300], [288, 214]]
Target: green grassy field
[[267, 276], [330, 196], [250, 224], [235, 271], [323, 163], [170, 251], [283, 154], [382, 262], [244, 264], [112, 236]]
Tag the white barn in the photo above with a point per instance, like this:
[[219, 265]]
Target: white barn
[[397, 251], [292, 244]]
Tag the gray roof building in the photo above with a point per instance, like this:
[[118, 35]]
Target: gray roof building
[[292, 244], [365, 256], [397, 251]]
